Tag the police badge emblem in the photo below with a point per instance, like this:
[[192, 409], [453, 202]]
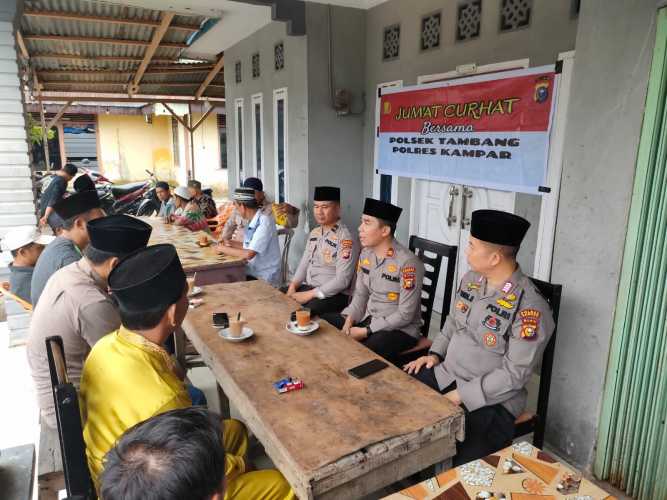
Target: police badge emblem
[[541, 89]]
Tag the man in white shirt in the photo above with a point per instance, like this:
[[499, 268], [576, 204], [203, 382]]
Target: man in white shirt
[[260, 246]]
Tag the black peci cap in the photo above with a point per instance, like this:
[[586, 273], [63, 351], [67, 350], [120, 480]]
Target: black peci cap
[[194, 184], [119, 234], [77, 204], [253, 183], [83, 183], [149, 278], [382, 210], [327, 193], [500, 228]]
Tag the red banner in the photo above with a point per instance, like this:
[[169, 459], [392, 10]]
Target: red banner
[[519, 104]]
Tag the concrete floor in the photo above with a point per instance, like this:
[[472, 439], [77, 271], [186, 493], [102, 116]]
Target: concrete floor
[[20, 417]]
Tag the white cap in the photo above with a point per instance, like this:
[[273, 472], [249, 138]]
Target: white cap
[[182, 192], [24, 235]]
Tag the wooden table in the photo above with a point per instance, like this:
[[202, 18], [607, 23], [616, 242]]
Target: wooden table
[[339, 437], [536, 476], [210, 267]]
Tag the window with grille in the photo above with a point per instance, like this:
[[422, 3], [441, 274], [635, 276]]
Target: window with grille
[[515, 14], [237, 70], [391, 42], [279, 56], [468, 20], [255, 65], [430, 34]]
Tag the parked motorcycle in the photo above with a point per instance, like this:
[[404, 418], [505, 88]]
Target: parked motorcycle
[[135, 198]]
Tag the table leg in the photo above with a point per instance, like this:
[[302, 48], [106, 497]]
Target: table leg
[[224, 403], [179, 347]]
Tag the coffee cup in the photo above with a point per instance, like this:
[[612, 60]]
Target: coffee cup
[[191, 285], [236, 327], [203, 240], [303, 318]]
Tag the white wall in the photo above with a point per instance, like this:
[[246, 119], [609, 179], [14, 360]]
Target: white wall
[[552, 30], [294, 78], [615, 42]]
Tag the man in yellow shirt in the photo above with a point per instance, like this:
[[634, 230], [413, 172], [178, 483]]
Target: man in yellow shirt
[[129, 377]]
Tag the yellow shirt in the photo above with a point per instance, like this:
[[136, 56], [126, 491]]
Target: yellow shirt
[[126, 379]]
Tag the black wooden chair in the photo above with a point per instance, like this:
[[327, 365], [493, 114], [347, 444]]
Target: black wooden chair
[[78, 482], [420, 246], [529, 422]]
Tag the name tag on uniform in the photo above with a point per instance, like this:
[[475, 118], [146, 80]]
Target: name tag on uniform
[[389, 277]]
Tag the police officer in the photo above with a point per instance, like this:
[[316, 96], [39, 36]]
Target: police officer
[[385, 311], [323, 278], [485, 354]]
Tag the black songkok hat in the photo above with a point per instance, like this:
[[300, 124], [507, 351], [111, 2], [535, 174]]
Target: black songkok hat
[[150, 278], [119, 234], [501, 228], [83, 183], [382, 210], [327, 193], [77, 204]]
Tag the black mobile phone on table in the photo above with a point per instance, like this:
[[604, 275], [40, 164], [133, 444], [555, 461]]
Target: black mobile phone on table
[[367, 369], [220, 320]]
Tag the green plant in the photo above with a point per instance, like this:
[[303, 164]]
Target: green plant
[[35, 131]]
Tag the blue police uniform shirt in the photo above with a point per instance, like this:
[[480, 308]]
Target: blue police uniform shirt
[[262, 238]]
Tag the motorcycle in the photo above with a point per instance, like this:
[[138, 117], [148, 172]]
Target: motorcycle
[[135, 198]]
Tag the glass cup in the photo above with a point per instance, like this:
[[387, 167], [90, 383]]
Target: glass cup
[[303, 318], [191, 285], [236, 327]]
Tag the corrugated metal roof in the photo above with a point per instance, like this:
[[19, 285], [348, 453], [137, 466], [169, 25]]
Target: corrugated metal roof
[[102, 56]]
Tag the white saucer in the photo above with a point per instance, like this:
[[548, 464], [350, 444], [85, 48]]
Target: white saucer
[[292, 327], [196, 290], [247, 333]]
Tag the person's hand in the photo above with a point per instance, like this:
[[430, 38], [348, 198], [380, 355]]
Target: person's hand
[[428, 361], [454, 397], [5, 285], [303, 297], [347, 325], [358, 333], [291, 290], [43, 221]]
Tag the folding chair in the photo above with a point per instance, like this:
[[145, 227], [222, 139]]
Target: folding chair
[[429, 285], [288, 233], [68, 417]]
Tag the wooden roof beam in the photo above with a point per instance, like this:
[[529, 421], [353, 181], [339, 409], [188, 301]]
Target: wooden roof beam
[[57, 96], [58, 115], [73, 16], [75, 83], [211, 75], [22, 48], [94, 39], [98, 58], [159, 32], [150, 71]]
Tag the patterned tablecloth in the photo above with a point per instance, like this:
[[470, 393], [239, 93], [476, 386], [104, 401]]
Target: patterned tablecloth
[[520, 472]]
